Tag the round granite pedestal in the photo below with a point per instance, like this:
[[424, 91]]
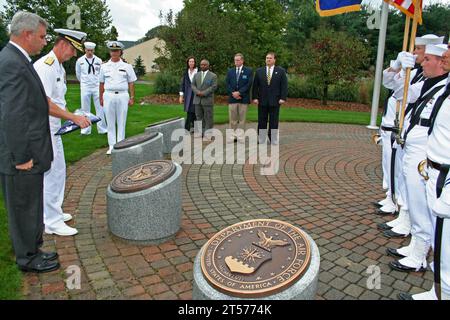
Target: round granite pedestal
[[134, 150], [305, 288], [167, 127], [151, 214]]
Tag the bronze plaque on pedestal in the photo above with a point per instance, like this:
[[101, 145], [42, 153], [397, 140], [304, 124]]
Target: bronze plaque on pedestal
[[143, 176], [255, 258], [135, 140]]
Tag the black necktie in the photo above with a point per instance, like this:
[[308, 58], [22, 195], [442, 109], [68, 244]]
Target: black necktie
[[91, 66], [437, 107]]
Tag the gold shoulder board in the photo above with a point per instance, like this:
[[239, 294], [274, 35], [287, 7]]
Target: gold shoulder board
[[49, 61]]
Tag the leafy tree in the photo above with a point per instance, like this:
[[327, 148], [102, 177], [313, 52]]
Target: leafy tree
[[3, 33], [113, 33], [139, 66], [202, 31], [331, 57], [95, 19]]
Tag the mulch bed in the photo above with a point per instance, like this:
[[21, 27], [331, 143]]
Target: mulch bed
[[166, 99]]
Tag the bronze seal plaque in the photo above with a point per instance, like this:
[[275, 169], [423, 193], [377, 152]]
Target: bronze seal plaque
[[135, 140], [255, 258], [143, 176]]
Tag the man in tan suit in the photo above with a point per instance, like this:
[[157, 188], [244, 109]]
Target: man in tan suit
[[203, 85]]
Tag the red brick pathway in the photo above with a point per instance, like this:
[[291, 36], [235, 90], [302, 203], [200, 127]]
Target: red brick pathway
[[329, 176]]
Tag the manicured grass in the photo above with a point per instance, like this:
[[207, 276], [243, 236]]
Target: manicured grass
[[139, 116], [10, 276]]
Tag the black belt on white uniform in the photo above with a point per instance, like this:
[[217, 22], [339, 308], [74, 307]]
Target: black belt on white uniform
[[388, 128], [425, 123]]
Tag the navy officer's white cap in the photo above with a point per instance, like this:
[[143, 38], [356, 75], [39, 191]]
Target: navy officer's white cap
[[89, 45], [115, 45], [76, 38]]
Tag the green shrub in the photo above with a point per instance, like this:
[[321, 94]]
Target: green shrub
[[302, 87], [344, 91], [167, 83]]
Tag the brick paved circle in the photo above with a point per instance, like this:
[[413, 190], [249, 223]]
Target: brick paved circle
[[329, 176]]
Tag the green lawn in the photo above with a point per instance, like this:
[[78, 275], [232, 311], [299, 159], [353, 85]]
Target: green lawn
[[139, 116]]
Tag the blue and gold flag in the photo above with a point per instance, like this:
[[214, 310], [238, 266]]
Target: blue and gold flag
[[333, 7]]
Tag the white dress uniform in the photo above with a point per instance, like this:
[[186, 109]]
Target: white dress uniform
[[116, 76], [414, 152], [438, 151], [88, 72], [53, 77]]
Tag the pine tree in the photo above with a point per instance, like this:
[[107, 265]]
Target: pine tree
[[139, 67]]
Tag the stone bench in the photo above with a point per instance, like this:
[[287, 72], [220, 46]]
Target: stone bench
[[166, 127]]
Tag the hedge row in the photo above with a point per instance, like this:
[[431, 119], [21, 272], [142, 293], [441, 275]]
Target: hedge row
[[299, 87]]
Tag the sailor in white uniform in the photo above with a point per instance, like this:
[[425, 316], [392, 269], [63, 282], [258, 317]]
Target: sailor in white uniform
[[438, 194], [53, 78], [416, 137], [87, 70], [116, 92]]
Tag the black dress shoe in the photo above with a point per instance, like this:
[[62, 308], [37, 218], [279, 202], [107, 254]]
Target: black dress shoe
[[395, 265], [384, 226], [405, 296], [394, 253], [49, 255], [393, 234], [41, 267], [376, 204], [385, 213]]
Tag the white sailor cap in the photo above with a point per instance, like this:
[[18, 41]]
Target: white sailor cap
[[76, 38], [114, 45], [429, 39], [89, 45], [436, 49]]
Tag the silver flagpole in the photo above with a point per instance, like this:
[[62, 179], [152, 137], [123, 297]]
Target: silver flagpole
[[379, 66]]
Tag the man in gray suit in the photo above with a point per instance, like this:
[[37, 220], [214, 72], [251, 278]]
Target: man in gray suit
[[25, 143], [203, 85]]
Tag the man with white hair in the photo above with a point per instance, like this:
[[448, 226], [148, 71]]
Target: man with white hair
[[25, 141], [438, 193], [87, 70], [415, 138]]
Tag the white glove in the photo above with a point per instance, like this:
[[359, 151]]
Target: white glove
[[441, 207], [395, 64], [408, 60]]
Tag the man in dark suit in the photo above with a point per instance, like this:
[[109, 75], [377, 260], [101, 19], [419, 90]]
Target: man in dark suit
[[239, 81], [203, 85], [25, 142], [270, 88]]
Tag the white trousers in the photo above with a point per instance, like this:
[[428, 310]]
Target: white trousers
[[445, 245], [386, 160], [400, 185], [86, 95], [54, 185], [116, 109], [420, 216]]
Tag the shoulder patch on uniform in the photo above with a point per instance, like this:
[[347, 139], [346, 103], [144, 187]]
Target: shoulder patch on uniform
[[49, 61]]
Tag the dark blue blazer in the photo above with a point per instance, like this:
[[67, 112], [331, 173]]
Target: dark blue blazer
[[269, 95], [186, 88], [243, 85]]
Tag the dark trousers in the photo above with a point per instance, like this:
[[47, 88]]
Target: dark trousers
[[23, 194], [269, 114], [205, 114], [189, 123]]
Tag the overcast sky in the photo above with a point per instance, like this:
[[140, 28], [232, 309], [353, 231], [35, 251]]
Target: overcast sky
[[134, 18]]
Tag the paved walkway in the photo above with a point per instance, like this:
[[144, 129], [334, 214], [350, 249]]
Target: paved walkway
[[329, 176]]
